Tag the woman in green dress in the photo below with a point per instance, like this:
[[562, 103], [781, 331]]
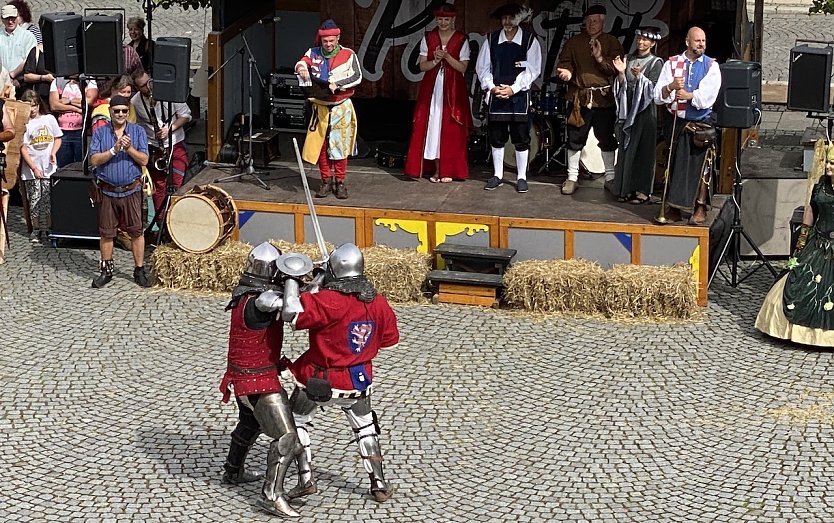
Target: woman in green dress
[[800, 305]]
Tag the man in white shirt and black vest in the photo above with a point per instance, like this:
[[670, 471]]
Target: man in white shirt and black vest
[[509, 62]]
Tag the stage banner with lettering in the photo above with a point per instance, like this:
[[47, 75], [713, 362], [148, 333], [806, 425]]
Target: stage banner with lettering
[[386, 33]]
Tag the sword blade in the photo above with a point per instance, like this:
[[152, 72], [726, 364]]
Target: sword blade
[[313, 217]]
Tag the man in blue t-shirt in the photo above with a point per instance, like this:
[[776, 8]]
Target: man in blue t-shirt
[[118, 152]]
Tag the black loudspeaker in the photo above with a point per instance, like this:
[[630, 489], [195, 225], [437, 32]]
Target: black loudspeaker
[[73, 216], [62, 43], [171, 68], [739, 100], [103, 54], [809, 79]]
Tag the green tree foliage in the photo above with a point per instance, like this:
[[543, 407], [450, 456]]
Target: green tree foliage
[[822, 6]]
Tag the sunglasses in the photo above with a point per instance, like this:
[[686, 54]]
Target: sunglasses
[[121, 111]]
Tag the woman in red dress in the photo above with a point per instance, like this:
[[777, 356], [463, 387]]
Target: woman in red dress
[[442, 117]]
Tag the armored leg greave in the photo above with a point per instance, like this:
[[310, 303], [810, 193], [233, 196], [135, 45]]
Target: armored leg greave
[[303, 412], [364, 423], [243, 437], [273, 413]]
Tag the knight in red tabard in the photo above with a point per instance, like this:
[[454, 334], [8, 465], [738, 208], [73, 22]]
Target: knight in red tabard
[[442, 116], [255, 339], [348, 323]]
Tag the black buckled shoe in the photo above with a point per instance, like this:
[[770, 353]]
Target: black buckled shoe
[[325, 189], [241, 477], [106, 275], [341, 191], [141, 277]]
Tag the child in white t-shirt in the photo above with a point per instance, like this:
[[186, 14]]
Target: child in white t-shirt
[[40, 145]]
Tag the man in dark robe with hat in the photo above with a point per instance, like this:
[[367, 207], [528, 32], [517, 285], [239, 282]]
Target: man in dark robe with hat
[[586, 63], [637, 119], [509, 62], [331, 135]]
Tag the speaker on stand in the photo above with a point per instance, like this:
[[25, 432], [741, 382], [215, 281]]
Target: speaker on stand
[[62, 43], [738, 107], [103, 54], [171, 67], [809, 79]]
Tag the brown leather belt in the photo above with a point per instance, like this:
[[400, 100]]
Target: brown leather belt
[[104, 186], [260, 370]]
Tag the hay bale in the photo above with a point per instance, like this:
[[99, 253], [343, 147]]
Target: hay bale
[[572, 286], [398, 274], [649, 291], [216, 270]]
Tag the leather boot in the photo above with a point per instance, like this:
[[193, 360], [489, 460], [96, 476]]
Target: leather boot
[[341, 191], [325, 189], [106, 268]]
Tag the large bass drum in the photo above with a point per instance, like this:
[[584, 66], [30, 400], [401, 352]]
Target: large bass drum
[[202, 218], [542, 137]]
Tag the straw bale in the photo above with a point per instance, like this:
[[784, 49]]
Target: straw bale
[[216, 270], [554, 286], [650, 291], [398, 274]]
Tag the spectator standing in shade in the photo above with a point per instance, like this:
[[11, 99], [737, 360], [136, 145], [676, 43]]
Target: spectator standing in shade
[[15, 44], [65, 103], [139, 42], [41, 142], [118, 151], [164, 124], [35, 75], [24, 20]]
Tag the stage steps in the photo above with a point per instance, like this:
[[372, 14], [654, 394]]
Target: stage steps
[[473, 274]]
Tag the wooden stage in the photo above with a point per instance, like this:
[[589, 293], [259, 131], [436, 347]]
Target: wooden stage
[[385, 207]]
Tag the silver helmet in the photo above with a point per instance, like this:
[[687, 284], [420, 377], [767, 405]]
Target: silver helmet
[[261, 262], [346, 261]]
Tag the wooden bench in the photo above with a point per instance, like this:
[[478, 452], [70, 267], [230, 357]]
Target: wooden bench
[[469, 258], [466, 288]]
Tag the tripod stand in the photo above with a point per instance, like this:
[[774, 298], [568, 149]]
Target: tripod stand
[[246, 161], [732, 246]]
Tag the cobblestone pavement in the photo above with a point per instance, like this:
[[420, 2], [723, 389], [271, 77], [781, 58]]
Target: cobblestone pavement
[[111, 412]]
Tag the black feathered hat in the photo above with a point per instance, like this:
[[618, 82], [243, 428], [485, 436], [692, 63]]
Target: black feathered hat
[[595, 10], [506, 10]]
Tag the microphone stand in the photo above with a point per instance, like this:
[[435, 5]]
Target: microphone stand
[[248, 168]]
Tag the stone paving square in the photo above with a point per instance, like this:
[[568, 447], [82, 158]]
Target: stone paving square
[[111, 412]]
